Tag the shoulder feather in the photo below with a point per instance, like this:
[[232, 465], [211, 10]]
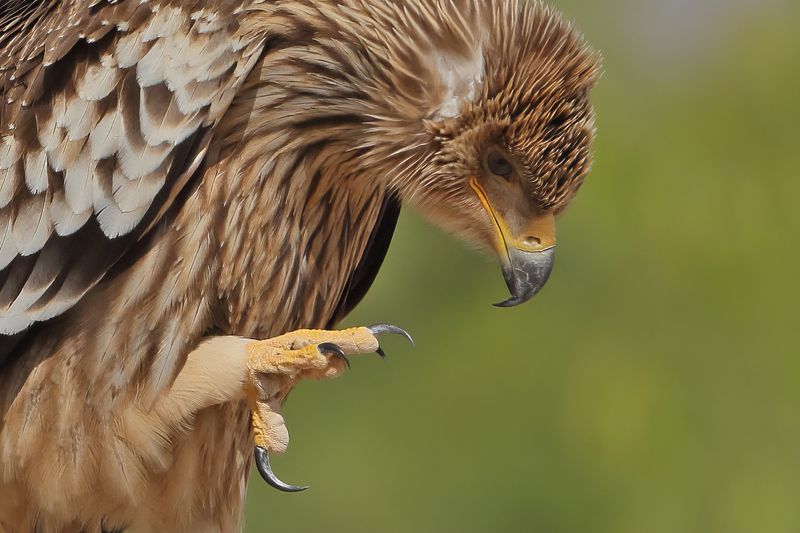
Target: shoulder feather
[[106, 105]]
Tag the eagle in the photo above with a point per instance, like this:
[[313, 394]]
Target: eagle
[[193, 193]]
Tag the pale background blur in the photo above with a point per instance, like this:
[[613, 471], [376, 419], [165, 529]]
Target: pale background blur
[[653, 386]]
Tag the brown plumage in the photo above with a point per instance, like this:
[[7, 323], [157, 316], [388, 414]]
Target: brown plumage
[[176, 173]]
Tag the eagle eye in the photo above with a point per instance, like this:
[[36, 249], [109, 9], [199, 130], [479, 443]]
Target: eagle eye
[[499, 165]]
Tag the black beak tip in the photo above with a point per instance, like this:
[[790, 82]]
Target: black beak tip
[[526, 274], [511, 302]]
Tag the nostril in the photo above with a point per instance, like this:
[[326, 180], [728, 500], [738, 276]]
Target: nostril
[[532, 241]]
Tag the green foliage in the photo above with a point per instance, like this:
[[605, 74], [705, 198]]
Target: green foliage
[[652, 386]]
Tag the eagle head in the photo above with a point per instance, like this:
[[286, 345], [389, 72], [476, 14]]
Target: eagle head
[[508, 127]]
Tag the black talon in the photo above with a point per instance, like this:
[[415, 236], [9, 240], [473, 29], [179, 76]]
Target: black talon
[[378, 329], [380, 352], [264, 468], [328, 348]]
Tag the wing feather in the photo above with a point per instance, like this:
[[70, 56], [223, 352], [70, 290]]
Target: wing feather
[[108, 108]]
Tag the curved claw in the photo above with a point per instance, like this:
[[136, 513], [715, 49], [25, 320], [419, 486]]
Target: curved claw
[[378, 329], [264, 468], [380, 352], [329, 348]]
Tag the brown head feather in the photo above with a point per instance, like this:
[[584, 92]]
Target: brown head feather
[[417, 92]]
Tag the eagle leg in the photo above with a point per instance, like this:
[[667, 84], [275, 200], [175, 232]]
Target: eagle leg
[[275, 365]]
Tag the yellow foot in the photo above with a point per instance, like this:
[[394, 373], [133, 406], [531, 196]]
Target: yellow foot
[[276, 365]]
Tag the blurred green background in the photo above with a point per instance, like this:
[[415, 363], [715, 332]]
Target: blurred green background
[[653, 386]]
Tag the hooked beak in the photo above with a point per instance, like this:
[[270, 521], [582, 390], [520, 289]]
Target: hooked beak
[[527, 259]]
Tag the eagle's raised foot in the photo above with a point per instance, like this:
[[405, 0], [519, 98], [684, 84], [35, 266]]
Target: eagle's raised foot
[[275, 365]]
